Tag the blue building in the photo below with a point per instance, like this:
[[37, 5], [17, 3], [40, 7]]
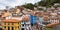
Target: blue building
[[33, 19]]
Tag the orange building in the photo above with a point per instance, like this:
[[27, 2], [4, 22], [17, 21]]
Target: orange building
[[11, 24]]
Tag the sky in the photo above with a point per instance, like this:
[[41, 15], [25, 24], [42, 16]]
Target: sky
[[13, 3]]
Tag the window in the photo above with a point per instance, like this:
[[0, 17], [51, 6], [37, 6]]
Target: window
[[12, 23], [18, 26], [8, 28], [22, 28], [22, 24], [12, 28], [18, 23]]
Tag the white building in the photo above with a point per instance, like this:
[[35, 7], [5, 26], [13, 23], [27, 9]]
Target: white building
[[26, 22]]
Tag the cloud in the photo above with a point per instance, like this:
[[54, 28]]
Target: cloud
[[14, 3], [2, 7]]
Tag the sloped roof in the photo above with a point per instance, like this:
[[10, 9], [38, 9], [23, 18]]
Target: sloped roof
[[11, 20]]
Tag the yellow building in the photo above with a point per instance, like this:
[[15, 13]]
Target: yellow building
[[11, 24]]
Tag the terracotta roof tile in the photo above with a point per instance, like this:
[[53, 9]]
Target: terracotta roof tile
[[11, 20]]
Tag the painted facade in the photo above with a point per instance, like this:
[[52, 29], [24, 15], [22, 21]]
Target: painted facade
[[11, 25]]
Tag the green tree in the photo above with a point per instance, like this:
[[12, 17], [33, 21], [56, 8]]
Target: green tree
[[46, 2], [29, 6], [40, 9]]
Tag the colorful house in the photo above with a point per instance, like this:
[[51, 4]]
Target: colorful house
[[11, 24], [26, 24]]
